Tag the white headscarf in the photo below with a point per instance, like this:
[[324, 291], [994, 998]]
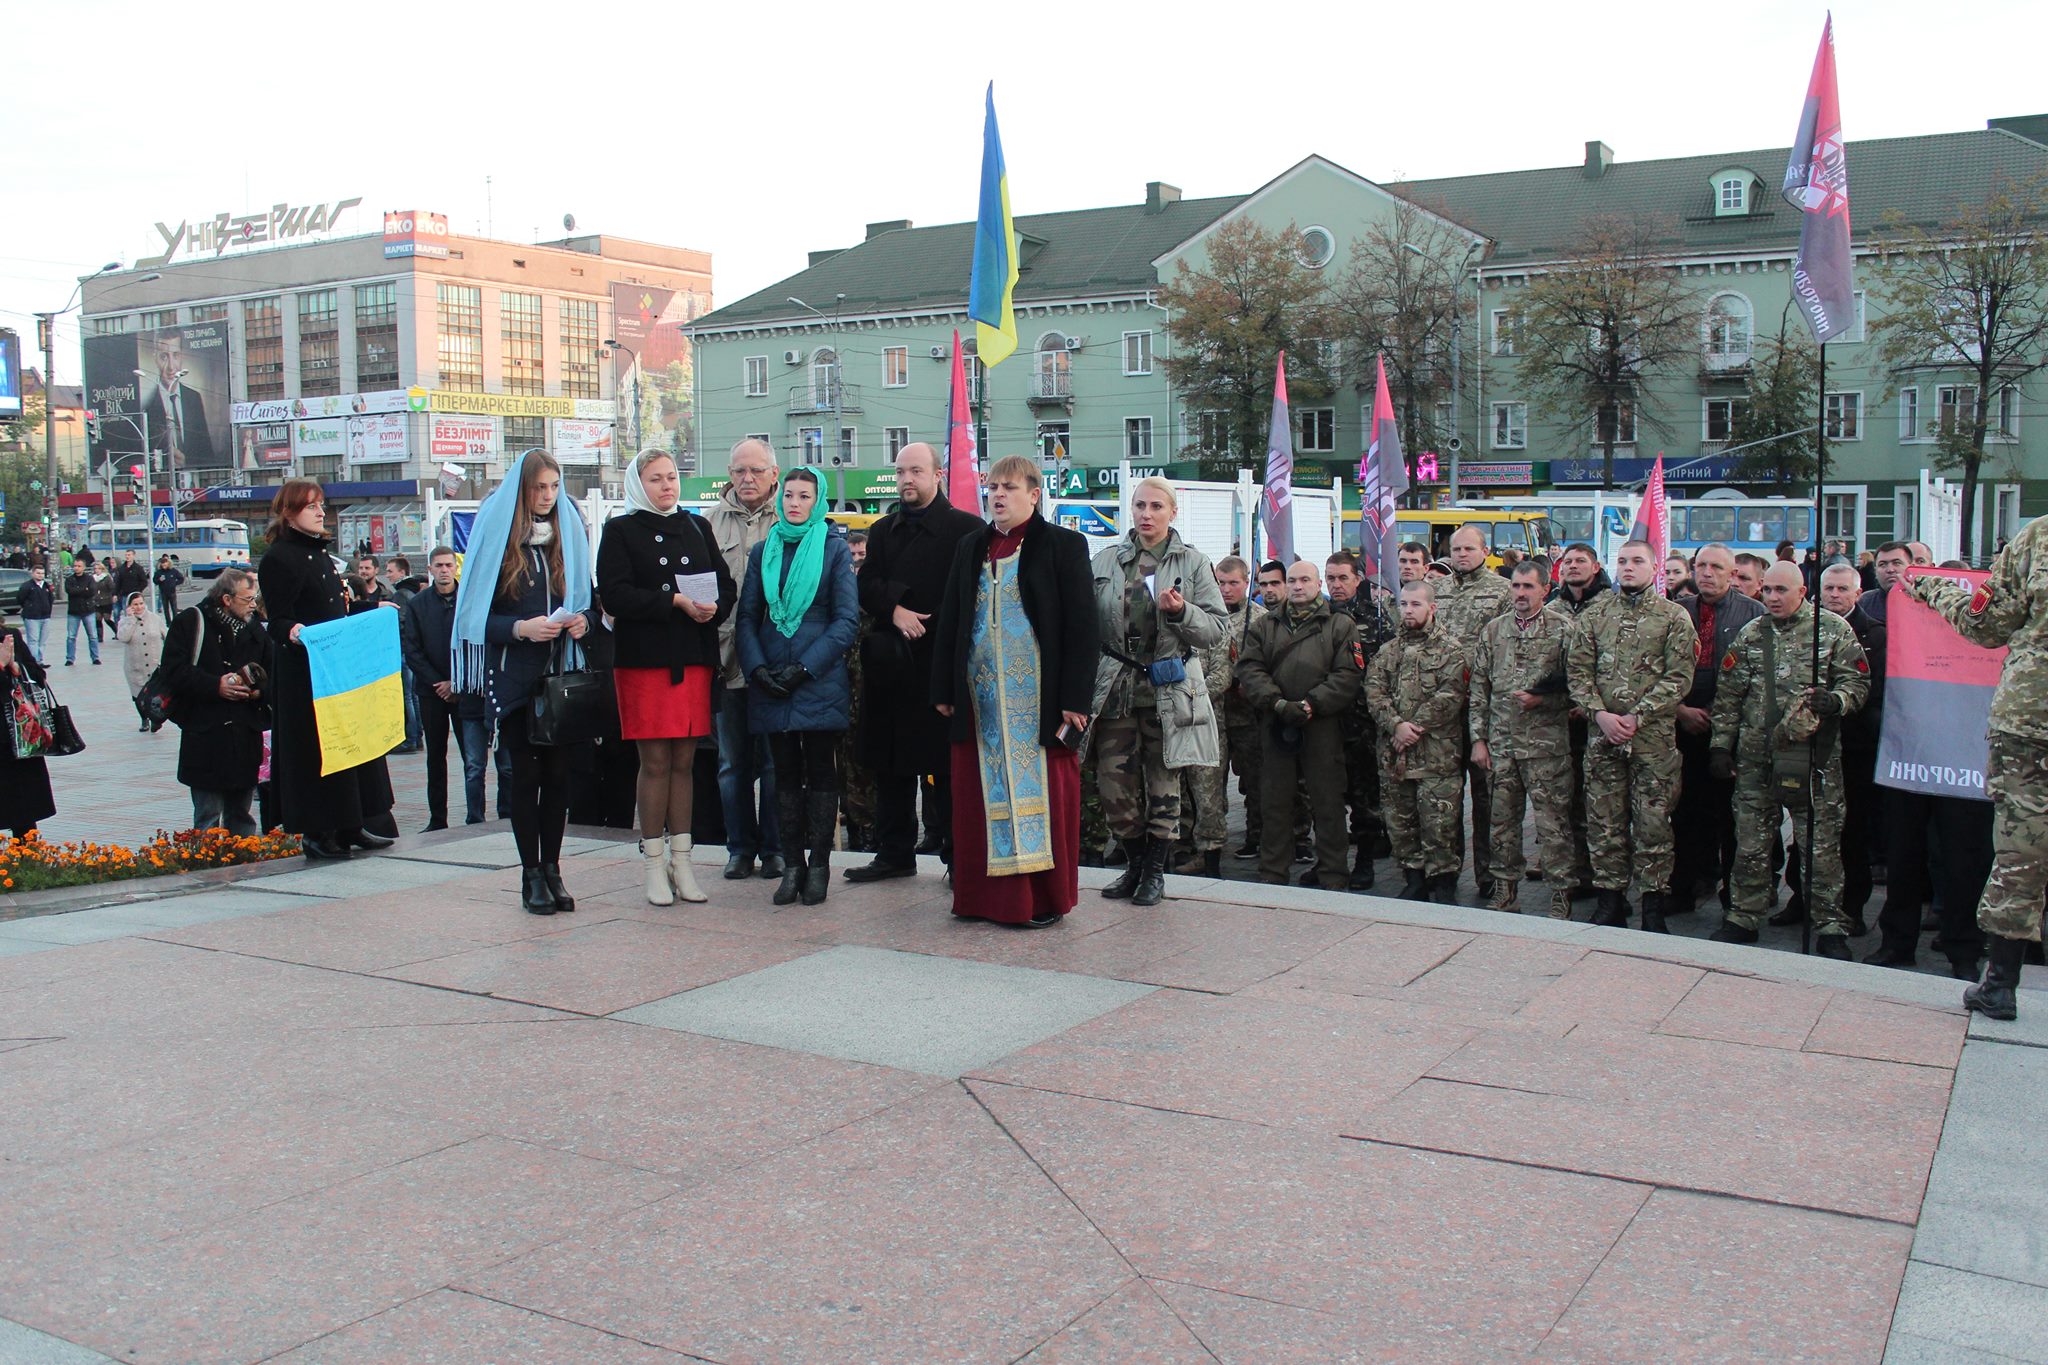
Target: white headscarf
[[636, 495]]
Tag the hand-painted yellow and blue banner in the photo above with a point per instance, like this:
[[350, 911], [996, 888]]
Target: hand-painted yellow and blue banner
[[357, 702]]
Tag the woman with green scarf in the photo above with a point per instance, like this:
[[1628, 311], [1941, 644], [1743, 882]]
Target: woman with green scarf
[[798, 614]]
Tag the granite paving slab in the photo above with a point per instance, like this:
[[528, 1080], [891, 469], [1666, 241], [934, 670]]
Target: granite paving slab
[[496, 849], [21, 1345], [374, 934], [1858, 1026], [1746, 1009], [1966, 1312], [449, 1327], [1202, 947], [1987, 1201], [358, 876], [1133, 1326], [937, 1015], [1609, 988], [920, 1233]]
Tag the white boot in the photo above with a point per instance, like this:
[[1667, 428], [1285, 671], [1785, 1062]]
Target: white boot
[[655, 851], [679, 869]]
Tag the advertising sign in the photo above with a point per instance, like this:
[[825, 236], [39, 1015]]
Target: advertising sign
[[650, 323], [409, 232], [210, 236], [377, 439], [181, 397], [265, 445], [10, 374], [470, 440], [583, 442], [519, 405], [324, 437]]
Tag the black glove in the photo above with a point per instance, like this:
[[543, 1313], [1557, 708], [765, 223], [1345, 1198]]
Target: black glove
[[1721, 765], [1823, 703], [790, 677], [1292, 714], [769, 680]]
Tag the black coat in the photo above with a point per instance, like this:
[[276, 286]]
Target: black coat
[[514, 667], [426, 636], [221, 744], [130, 578], [909, 563], [300, 587], [25, 796], [1058, 589], [1860, 731], [637, 564], [79, 591], [38, 600]]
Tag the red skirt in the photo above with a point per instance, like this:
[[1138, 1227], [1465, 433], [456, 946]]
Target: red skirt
[[652, 707], [1015, 899]]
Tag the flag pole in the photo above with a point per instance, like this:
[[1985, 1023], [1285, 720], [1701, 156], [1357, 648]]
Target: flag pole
[[1820, 478]]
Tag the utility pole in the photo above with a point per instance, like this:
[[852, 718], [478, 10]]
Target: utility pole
[[46, 333]]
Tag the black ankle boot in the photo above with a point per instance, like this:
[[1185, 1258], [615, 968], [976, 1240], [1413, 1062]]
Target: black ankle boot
[[822, 811], [1151, 888], [791, 814], [1997, 995], [1414, 886], [1134, 872], [1443, 888], [792, 885], [1653, 913], [551, 877], [533, 892], [1611, 909]]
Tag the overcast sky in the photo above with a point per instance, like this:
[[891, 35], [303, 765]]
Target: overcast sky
[[759, 132]]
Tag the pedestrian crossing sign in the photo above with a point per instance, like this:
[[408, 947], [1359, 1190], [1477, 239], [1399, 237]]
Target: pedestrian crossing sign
[[163, 520]]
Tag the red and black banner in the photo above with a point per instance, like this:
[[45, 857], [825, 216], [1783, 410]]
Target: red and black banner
[[1817, 184], [1937, 698]]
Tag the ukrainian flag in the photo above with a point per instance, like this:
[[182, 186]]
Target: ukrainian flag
[[358, 706], [989, 295]]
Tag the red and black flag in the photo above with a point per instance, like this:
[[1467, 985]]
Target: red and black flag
[[1817, 184]]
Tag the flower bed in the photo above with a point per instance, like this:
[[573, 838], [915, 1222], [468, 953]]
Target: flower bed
[[32, 863]]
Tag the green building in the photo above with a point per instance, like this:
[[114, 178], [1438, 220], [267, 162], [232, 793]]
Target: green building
[[844, 362]]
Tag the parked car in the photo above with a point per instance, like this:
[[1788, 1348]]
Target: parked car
[[11, 582]]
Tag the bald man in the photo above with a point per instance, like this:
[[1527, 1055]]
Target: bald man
[[1777, 733], [1465, 602], [1703, 821]]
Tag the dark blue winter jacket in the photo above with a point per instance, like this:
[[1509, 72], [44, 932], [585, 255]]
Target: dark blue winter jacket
[[821, 644]]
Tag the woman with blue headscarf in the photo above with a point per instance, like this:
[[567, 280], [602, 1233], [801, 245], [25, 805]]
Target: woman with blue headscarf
[[519, 612], [799, 612]]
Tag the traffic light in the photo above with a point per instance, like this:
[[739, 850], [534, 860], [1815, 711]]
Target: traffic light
[[139, 473], [92, 426]]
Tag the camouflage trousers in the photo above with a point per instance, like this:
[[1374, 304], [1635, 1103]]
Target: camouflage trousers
[[2018, 784], [1140, 794], [1757, 817], [856, 787], [1206, 791], [1629, 794], [1423, 815], [1544, 783]]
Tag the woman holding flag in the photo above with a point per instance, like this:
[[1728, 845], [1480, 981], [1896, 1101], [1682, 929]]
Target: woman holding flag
[[300, 589], [518, 617]]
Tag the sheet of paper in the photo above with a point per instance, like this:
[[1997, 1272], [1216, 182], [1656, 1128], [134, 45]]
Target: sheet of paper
[[563, 614], [699, 587], [1151, 586]]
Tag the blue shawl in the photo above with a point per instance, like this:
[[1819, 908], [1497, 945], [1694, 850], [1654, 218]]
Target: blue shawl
[[486, 552]]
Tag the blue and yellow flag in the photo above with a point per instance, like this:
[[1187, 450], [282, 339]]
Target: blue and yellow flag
[[358, 706], [989, 293]]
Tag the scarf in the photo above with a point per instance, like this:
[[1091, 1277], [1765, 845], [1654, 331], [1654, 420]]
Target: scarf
[[636, 496], [790, 596], [475, 592]]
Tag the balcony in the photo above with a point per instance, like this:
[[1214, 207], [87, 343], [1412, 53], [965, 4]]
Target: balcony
[[1051, 388], [1724, 364], [811, 399]]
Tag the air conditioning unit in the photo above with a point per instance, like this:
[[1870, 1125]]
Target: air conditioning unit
[[792, 357], [1073, 343], [940, 353]]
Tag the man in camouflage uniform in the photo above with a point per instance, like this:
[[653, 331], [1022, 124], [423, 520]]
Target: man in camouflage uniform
[[1416, 688], [1299, 672], [1580, 583], [1241, 727], [1777, 733], [1629, 660], [2011, 609], [1472, 596], [1350, 596], [1522, 739], [1205, 790]]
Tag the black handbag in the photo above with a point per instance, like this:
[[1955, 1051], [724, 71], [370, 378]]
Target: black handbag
[[156, 703], [64, 737], [574, 708]]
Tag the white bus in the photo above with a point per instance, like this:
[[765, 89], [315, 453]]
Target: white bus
[[202, 546]]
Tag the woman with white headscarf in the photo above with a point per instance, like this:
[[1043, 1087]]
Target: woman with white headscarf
[[519, 613], [666, 655]]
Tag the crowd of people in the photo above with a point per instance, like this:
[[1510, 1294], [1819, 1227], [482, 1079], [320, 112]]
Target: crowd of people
[[1695, 743]]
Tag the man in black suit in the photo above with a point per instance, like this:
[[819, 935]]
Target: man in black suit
[[176, 414]]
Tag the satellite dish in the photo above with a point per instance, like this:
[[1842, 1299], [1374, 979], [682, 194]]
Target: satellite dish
[[568, 222]]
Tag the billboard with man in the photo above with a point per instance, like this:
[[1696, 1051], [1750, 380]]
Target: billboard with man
[[179, 398]]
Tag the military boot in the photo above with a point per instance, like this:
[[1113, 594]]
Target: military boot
[[1653, 913], [1412, 886], [1996, 996], [1506, 896], [1134, 870], [1151, 860], [1443, 889], [1361, 868], [1611, 909], [1560, 903]]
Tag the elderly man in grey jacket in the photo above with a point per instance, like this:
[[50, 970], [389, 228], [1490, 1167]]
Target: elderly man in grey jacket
[[746, 779]]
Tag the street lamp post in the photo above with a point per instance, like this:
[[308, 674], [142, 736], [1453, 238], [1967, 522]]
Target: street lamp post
[[46, 333], [635, 425]]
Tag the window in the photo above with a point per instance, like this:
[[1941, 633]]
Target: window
[[2005, 516], [1729, 319], [1855, 332], [895, 367], [1733, 196], [319, 343], [209, 312], [376, 337], [109, 327], [895, 438], [263, 348], [1717, 423], [810, 445], [1054, 377], [976, 371], [1137, 353], [825, 389], [1446, 428], [1314, 246], [1507, 330], [849, 445], [1843, 416], [1052, 444], [1909, 414], [756, 367], [579, 349], [1955, 406], [2005, 424], [1212, 432], [1839, 518], [1329, 356], [1137, 438], [1905, 513], [524, 433], [459, 314], [519, 334], [1316, 429], [157, 321], [1617, 422], [1510, 426]]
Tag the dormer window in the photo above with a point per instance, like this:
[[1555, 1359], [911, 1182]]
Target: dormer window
[[1734, 196], [1734, 192]]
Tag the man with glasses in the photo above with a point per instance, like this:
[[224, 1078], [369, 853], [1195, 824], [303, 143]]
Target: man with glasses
[[217, 665], [742, 519]]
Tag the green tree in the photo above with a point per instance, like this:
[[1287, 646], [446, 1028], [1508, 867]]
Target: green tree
[[21, 466], [1967, 298], [1591, 330], [1228, 322], [1775, 416]]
